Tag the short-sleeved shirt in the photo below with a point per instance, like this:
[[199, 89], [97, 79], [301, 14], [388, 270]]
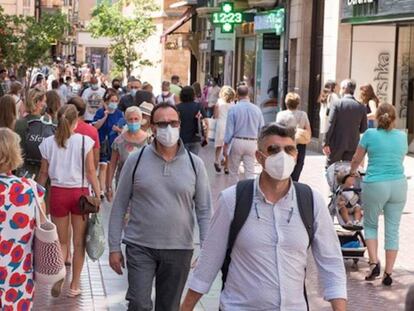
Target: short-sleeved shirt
[[189, 122], [386, 151], [125, 147], [65, 164], [106, 132], [93, 99], [293, 118], [86, 129]]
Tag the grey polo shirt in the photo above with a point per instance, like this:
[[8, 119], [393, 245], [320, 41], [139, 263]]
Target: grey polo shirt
[[162, 200]]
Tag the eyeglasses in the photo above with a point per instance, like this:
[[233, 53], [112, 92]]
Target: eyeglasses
[[164, 124], [275, 149]]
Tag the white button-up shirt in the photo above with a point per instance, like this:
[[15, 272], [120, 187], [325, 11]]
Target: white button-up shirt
[[269, 256]]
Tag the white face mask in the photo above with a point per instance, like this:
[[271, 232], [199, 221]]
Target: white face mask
[[168, 136], [280, 166]]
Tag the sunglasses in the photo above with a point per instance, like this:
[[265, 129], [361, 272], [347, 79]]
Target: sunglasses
[[275, 149], [164, 124]]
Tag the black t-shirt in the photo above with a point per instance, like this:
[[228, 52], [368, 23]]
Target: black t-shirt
[[189, 122]]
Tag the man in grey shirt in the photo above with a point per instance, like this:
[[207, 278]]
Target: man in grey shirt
[[347, 120], [167, 185]]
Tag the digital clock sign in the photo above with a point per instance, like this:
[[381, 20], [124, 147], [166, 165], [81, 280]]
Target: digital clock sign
[[227, 17]]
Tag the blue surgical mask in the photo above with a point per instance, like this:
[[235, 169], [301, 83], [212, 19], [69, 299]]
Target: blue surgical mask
[[133, 92], [134, 127], [95, 86], [112, 105]]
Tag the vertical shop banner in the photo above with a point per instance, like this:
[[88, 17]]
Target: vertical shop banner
[[224, 41], [373, 54]]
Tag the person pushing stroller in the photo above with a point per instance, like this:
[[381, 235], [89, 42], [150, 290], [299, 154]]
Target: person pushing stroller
[[348, 201]]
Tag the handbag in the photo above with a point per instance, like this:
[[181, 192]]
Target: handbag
[[87, 203], [95, 237], [302, 136], [48, 263]]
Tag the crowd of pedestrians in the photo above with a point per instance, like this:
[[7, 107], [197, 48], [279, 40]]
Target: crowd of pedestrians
[[84, 141]]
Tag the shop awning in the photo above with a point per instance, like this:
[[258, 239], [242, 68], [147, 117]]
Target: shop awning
[[188, 14]]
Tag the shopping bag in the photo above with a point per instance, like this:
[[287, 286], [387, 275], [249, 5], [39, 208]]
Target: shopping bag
[[95, 237], [211, 128], [48, 263]]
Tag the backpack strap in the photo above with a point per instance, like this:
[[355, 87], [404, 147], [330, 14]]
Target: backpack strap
[[244, 201], [304, 197], [136, 164], [192, 161]]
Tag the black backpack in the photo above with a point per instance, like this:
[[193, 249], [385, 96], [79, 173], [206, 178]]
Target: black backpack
[[244, 201], [36, 131]]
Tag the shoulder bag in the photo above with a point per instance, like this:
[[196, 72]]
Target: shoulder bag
[[48, 263], [87, 203]]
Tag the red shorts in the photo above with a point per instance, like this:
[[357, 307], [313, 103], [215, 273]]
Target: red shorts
[[65, 200]]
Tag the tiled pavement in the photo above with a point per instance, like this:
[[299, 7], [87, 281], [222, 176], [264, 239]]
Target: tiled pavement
[[105, 290]]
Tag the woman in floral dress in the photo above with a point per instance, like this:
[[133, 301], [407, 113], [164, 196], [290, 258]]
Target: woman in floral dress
[[17, 223]]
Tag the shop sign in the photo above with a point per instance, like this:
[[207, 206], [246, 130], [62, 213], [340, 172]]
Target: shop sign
[[356, 2], [227, 18], [223, 41], [271, 21]]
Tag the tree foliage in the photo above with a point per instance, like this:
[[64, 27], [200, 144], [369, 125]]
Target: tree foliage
[[125, 32], [25, 41]]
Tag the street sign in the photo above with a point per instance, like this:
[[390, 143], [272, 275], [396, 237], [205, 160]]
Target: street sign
[[227, 17]]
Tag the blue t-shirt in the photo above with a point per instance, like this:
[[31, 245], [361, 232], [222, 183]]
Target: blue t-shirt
[[106, 129], [386, 151]]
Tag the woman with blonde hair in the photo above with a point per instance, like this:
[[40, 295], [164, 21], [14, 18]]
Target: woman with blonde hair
[[384, 187], [7, 111], [226, 100], [17, 216], [62, 163], [126, 143], [293, 117], [370, 100], [32, 131]]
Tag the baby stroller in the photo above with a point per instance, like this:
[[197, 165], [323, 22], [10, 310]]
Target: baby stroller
[[351, 238]]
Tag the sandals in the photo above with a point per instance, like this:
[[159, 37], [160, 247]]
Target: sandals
[[73, 293], [57, 288], [387, 279], [375, 270]]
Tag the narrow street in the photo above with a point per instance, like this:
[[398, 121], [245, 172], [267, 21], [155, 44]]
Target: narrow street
[[102, 289]]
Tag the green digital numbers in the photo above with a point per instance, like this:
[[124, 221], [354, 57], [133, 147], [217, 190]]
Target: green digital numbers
[[227, 17]]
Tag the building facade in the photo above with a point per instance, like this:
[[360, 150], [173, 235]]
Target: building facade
[[18, 7]]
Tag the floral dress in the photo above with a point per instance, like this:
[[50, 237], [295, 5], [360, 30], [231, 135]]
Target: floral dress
[[17, 223]]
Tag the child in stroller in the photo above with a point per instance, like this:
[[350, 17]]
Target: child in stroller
[[348, 201]]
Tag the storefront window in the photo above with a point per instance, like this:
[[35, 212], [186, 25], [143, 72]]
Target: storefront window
[[248, 63], [404, 87]]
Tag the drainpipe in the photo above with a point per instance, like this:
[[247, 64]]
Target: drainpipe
[[286, 52]]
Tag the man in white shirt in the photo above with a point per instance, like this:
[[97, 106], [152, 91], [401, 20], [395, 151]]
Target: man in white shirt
[[269, 257], [93, 97]]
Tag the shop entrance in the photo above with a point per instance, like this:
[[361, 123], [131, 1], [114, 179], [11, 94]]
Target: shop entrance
[[404, 82]]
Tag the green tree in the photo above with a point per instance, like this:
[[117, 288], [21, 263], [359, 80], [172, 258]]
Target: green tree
[[25, 41], [125, 32]]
